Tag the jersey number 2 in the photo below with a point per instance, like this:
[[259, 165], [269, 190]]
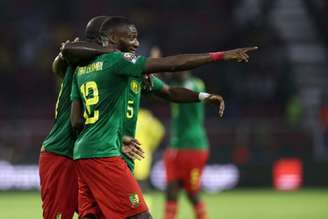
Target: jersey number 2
[[90, 94]]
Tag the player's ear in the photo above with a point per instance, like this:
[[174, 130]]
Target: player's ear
[[113, 38], [103, 39]]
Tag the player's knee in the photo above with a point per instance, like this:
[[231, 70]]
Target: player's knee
[[172, 190], [88, 217], [193, 198], [145, 215]]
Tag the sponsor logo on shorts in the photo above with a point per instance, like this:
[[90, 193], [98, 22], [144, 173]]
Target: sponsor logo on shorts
[[134, 200], [59, 216]]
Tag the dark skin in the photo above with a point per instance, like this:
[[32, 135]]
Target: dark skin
[[145, 215], [183, 95], [125, 39], [59, 66]]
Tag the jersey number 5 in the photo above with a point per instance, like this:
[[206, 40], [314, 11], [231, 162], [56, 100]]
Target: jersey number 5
[[90, 94], [129, 113]]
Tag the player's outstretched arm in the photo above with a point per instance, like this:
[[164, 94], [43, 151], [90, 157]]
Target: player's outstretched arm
[[190, 61], [178, 94], [184, 95], [79, 52]]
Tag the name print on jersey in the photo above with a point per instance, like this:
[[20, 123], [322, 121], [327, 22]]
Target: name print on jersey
[[93, 67]]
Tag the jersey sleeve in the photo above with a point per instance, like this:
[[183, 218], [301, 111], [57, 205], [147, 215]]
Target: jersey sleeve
[[157, 83], [75, 93], [199, 85], [129, 64]]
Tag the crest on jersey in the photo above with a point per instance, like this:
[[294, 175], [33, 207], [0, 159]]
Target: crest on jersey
[[135, 86], [59, 216], [134, 200], [130, 57]]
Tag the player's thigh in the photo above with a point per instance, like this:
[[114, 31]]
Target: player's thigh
[[171, 166], [58, 185], [172, 190], [145, 215], [115, 190], [193, 163], [88, 207]]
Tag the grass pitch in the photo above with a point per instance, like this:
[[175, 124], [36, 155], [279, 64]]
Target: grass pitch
[[236, 204]]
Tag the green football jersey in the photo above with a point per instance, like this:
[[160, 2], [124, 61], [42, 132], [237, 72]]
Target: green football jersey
[[187, 124], [133, 107], [60, 139], [102, 85]]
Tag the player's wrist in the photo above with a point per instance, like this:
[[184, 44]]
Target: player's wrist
[[202, 96], [216, 56]]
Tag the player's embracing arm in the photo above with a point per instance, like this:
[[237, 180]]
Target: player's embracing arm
[[78, 52], [59, 66], [184, 95]]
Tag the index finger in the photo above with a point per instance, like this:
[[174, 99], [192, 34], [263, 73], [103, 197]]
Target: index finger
[[137, 147], [247, 49], [136, 141]]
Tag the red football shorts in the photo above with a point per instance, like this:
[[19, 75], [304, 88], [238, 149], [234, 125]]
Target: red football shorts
[[186, 166], [107, 187], [59, 187]]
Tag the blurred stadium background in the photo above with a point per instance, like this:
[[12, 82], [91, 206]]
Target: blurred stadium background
[[275, 132]]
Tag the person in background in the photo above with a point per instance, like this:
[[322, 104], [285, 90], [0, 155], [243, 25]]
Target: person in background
[[150, 133], [187, 154]]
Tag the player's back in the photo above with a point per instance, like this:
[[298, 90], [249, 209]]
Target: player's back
[[102, 85], [60, 139], [187, 124]]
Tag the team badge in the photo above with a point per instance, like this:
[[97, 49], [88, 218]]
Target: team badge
[[135, 86], [134, 200], [58, 216], [130, 57]]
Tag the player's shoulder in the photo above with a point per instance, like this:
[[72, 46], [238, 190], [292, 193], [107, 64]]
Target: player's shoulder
[[111, 55], [110, 59], [70, 69]]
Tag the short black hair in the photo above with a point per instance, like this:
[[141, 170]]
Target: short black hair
[[111, 23], [93, 27]]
